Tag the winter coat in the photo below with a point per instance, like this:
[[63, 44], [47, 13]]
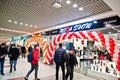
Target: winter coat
[[59, 56], [3, 52], [35, 56], [14, 53], [71, 60]]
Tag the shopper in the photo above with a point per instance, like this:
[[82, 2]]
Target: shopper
[[71, 62], [30, 49], [3, 53], [59, 58], [19, 48], [13, 55], [23, 51], [34, 63]]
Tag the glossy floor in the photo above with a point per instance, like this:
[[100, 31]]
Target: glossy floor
[[46, 72]]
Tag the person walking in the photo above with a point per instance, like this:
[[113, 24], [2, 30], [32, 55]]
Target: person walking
[[34, 63], [30, 49], [59, 58], [23, 51], [3, 53], [71, 62], [13, 55]]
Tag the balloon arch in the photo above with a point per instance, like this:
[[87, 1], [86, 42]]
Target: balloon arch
[[41, 41], [105, 41]]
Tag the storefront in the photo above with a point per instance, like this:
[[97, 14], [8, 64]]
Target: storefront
[[92, 56], [20, 40]]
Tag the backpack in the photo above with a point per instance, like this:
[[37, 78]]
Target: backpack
[[29, 57]]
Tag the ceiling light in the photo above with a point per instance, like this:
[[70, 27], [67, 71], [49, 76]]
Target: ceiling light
[[68, 2], [57, 5], [9, 21], [75, 5], [95, 22], [15, 22], [26, 24], [35, 26], [21, 23], [80, 9], [118, 31], [112, 27], [31, 25]]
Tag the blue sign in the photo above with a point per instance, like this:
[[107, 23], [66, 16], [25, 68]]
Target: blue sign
[[115, 20]]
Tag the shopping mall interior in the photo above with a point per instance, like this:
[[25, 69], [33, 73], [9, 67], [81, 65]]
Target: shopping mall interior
[[92, 27]]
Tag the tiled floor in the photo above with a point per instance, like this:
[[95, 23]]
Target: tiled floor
[[46, 72]]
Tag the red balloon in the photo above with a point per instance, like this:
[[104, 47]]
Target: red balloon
[[118, 78]]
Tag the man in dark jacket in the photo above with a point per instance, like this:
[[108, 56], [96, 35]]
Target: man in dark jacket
[[59, 58], [3, 53], [13, 54], [71, 62]]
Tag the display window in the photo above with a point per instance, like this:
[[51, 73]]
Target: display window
[[96, 58]]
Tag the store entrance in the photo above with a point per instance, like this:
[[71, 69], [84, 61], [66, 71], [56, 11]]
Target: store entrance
[[95, 52], [92, 57]]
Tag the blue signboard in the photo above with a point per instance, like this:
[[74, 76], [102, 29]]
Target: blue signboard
[[115, 20]]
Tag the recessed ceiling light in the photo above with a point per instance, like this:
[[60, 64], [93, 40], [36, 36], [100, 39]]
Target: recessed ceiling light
[[26, 24], [21, 23], [31, 25], [80, 9], [35, 26], [75, 5], [9, 21], [118, 31], [68, 2], [57, 5], [15, 22], [112, 27]]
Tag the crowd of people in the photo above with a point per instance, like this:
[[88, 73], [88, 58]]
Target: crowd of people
[[61, 57], [13, 51]]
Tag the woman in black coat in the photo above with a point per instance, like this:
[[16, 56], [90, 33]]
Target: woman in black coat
[[71, 62]]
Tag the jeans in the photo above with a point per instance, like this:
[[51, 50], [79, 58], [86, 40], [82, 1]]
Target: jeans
[[2, 65], [70, 70], [57, 70], [33, 67], [11, 65]]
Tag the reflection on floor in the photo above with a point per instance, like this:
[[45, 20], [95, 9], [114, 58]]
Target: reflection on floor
[[46, 72]]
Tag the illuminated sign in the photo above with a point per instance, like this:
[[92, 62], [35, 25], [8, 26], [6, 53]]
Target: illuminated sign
[[115, 20], [76, 27]]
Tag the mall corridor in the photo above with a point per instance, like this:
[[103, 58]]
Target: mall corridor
[[46, 72]]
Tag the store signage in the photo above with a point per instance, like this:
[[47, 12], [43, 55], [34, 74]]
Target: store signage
[[115, 20], [76, 27], [16, 38], [20, 37]]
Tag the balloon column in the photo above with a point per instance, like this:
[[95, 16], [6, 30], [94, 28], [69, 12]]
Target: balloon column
[[42, 42]]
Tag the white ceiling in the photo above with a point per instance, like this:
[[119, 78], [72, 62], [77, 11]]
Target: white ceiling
[[43, 14]]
